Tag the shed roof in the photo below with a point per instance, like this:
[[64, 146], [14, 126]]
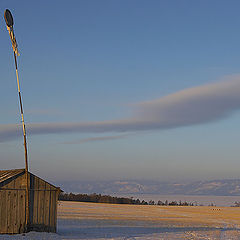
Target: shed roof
[[7, 174]]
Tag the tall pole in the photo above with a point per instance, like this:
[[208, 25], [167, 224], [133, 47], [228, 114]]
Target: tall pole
[[9, 21], [22, 115]]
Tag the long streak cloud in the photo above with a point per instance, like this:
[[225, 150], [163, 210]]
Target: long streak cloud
[[191, 106]]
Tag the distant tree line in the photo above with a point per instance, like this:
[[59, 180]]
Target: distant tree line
[[236, 204], [98, 198]]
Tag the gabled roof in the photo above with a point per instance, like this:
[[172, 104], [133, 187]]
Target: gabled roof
[[8, 174]]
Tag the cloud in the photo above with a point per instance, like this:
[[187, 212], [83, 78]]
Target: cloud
[[43, 112], [198, 105], [97, 139]]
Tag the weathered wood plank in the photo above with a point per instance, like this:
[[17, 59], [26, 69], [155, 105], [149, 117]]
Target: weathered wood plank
[[20, 210], [55, 210], [4, 212], [9, 207], [40, 203], [31, 198], [13, 208], [43, 201], [50, 210], [9, 213], [35, 205], [15, 211], [46, 205]]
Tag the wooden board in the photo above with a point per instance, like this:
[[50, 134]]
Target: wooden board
[[10, 209], [41, 202], [51, 213], [47, 205], [35, 204], [21, 210], [3, 211], [15, 211]]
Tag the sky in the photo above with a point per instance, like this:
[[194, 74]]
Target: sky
[[116, 90]]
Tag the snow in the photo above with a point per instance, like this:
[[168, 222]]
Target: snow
[[131, 234], [32, 236], [130, 222]]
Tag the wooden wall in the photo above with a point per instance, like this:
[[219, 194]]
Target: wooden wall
[[42, 207], [12, 206]]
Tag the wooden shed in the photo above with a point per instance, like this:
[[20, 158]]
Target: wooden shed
[[42, 207]]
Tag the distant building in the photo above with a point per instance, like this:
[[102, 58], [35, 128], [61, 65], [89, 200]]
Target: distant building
[[43, 198]]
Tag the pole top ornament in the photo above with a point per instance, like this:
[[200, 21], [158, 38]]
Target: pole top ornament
[[8, 18], [9, 21]]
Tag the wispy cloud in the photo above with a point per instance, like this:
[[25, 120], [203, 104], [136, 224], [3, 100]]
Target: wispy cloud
[[43, 112], [97, 139], [197, 105]]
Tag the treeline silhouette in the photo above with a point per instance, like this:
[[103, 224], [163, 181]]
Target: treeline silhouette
[[98, 198], [236, 204]]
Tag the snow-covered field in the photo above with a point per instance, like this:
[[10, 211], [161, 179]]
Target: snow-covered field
[[132, 222]]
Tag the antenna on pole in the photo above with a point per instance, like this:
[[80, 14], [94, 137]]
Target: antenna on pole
[[9, 21]]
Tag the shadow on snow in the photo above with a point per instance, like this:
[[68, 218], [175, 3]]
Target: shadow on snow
[[83, 228]]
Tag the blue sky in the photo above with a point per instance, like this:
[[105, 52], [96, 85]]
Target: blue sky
[[123, 89]]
